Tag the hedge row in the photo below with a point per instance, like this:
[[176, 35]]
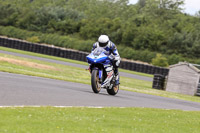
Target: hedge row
[[72, 43], [54, 39]]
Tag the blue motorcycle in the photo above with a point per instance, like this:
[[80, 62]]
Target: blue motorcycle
[[97, 60]]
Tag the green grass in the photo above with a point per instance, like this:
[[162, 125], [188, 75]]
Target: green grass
[[86, 120], [136, 73], [43, 55], [96, 120], [64, 59], [74, 74], [61, 72]]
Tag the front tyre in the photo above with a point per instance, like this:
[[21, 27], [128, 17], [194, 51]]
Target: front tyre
[[96, 86], [114, 90]]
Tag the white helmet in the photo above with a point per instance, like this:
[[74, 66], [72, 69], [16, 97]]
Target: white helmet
[[103, 40]]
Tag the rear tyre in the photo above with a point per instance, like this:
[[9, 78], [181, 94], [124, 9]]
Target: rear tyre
[[96, 86], [114, 90]]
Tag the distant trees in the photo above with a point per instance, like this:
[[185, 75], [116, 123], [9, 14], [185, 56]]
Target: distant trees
[[150, 26], [142, 3]]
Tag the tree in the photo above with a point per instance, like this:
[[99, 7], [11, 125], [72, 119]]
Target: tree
[[159, 60], [142, 3], [171, 4], [165, 9]]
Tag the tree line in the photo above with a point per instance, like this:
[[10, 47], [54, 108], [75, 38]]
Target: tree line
[[140, 31]]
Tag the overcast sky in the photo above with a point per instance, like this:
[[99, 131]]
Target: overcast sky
[[191, 6]]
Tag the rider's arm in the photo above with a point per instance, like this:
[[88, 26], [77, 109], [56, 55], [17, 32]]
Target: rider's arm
[[115, 51], [95, 45]]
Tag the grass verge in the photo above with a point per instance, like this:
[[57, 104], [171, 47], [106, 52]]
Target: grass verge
[[66, 60], [42, 55], [38, 68], [85, 120]]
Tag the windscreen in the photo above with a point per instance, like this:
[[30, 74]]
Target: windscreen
[[98, 51]]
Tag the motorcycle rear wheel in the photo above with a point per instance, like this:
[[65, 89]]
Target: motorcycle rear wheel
[[96, 86], [114, 90]]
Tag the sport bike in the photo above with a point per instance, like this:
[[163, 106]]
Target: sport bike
[[98, 60]]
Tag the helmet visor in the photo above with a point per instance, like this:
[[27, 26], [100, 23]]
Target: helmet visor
[[103, 44]]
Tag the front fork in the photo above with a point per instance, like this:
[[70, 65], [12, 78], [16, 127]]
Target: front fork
[[100, 73], [100, 76]]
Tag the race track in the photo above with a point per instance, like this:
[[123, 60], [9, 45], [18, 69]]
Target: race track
[[20, 90]]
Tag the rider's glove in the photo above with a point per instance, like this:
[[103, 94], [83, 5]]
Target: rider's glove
[[117, 59], [117, 63]]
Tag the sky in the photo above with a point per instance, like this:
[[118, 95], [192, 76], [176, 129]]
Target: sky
[[191, 6]]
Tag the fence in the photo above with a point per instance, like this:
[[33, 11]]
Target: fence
[[76, 55]]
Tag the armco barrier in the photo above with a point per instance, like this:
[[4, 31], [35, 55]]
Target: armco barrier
[[76, 55]]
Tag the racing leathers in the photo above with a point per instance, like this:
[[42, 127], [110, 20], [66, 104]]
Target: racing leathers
[[111, 50]]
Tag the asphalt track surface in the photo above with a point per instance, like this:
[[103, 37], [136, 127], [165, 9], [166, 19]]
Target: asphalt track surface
[[75, 65], [22, 90]]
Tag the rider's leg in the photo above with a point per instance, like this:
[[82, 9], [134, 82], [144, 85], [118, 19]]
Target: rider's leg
[[117, 76], [116, 73]]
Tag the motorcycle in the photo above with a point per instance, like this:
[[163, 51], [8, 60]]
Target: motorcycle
[[97, 60]]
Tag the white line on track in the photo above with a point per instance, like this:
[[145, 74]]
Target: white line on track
[[54, 106]]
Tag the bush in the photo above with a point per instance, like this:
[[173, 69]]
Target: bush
[[173, 59], [17, 33], [142, 55], [160, 61], [33, 39]]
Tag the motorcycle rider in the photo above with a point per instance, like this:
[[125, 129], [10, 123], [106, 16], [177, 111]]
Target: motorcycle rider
[[104, 42]]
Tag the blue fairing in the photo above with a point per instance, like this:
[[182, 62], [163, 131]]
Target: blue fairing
[[92, 60], [98, 57]]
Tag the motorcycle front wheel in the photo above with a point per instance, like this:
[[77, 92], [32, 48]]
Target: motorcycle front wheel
[[114, 90], [96, 86]]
